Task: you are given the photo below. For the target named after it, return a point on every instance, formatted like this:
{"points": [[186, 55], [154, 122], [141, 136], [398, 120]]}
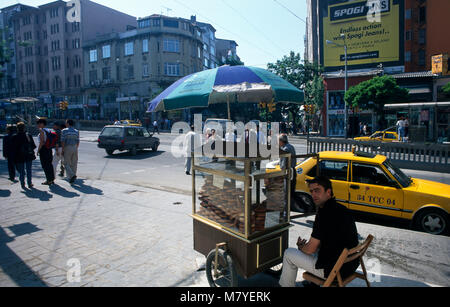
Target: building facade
{"points": [[8, 84], [50, 62], [401, 43], [124, 71], [226, 49]]}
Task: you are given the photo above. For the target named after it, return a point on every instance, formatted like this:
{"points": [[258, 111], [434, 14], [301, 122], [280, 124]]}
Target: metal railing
{"points": [[428, 157]]}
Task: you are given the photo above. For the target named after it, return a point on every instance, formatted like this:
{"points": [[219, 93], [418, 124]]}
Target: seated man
{"points": [[334, 229]]}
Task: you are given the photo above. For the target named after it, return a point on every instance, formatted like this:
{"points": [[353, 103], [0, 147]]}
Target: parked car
{"points": [[372, 184], [123, 138], [388, 135]]}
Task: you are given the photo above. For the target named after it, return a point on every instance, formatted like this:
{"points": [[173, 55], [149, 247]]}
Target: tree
{"points": [[374, 94], [446, 89], [5, 53], [305, 76]]}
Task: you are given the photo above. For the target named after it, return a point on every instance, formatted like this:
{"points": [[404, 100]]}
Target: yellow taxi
{"points": [[128, 122], [383, 136], [372, 184]]}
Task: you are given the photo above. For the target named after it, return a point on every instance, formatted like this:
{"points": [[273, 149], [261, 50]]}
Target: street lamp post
{"points": [[346, 80]]}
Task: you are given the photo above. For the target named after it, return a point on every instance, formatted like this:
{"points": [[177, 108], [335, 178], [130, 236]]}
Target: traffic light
{"points": [[262, 105], [272, 107], [63, 105], [306, 108], [312, 109]]}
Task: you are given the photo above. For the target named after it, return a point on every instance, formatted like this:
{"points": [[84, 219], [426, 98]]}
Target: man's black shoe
{"points": [[72, 180], [187, 173]]}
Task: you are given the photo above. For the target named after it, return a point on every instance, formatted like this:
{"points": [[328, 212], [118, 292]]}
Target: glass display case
{"points": [[240, 204], [239, 196]]}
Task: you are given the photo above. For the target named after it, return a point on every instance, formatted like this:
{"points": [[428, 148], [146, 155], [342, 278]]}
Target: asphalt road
{"points": [[161, 170]]}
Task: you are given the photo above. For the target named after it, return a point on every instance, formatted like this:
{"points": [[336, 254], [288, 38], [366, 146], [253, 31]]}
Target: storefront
{"points": [[334, 106]]}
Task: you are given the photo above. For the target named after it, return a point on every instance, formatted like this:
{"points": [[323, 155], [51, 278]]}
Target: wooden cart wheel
{"points": [[227, 276]]}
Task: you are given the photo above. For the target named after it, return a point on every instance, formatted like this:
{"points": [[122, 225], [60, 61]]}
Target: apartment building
{"points": [[123, 71], [50, 63], [8, 84]]}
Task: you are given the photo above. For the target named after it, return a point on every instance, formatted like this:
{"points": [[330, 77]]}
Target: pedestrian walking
{"points": [[70, 141], [46, 142], [401, 128], [23, 148], [8, 152], [155, 126], [58, 157]]}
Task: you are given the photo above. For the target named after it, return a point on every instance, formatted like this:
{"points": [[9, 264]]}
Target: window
{"points": [[156, 22], [408, 56], [106, 51], [144, 23], [130, 72], [171, 45], [145, 70], [171, 69], [129, 48], [199, 52], [106, 73], [53, 12], [422, 35], [92, 76], [422, 57], [408, 14], [93, 56], [422, 14], [408, 35], [389, 136], [170, 23], [76, 43], [334, 170], [370, 174], [145, 45]]}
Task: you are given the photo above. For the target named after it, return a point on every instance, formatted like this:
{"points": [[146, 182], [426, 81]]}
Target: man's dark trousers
{"points": [[11, 168], [46, 157]]}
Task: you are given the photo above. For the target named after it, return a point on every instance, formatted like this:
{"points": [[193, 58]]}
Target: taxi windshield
{"points": [[404, 180]]}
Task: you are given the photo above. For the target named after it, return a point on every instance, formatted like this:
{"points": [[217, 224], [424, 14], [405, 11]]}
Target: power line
{"points": [[256, 28], [285, 7], [225, 29]]}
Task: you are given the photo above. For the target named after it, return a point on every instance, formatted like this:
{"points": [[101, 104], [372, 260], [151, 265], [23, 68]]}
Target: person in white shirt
{"points": [[401, 128]]}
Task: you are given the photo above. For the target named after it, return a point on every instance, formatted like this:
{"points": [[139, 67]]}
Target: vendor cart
{"points": [[241, 216]]}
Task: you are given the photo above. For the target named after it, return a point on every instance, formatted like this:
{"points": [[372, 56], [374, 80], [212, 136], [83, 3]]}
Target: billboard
{"points": [[372, 30]]}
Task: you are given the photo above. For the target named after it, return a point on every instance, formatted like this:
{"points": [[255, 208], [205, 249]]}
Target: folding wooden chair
{"points": [[346, 256]]}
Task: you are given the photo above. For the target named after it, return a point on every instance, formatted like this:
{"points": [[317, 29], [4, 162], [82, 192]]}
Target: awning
{"points": [[21, 100], [416, 105]]}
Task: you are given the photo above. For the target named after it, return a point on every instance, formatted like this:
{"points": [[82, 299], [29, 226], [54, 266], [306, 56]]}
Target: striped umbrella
{"points": [[226, 84]]}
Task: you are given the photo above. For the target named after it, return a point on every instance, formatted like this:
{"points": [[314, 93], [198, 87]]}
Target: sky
{"points": [[265, 30]]}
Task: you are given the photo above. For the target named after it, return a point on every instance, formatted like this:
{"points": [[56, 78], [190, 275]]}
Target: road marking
{"points": [[139, 171]]}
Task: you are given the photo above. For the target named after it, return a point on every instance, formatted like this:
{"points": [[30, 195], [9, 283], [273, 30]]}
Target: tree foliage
{"points": [[305, 76], [375, 93], [446, 89]]}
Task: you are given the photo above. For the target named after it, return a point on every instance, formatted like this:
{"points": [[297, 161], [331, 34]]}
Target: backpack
{"points": [[52, 139]]}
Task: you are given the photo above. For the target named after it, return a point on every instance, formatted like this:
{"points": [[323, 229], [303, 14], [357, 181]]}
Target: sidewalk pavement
{"points": [[123, 235]]}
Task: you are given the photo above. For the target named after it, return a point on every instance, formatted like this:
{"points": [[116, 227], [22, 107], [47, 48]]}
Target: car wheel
{"points": [[133, 151], [155, 148], [109, 152], [432, 221], [302, 203]]}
